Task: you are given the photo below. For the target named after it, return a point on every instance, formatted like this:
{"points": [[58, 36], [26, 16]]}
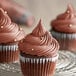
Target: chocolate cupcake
{"points": [[10, 35], [64, 29], [38, 53]]}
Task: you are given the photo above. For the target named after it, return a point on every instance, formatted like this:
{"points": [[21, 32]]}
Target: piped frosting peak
{"points": [[39, 30], [9, 31], [63, 21], [70, 9], [40, 43]]}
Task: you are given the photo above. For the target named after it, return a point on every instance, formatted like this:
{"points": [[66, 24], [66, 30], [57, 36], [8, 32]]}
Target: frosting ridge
{"points": [[39, 43], [9, 31], [65, 22]]}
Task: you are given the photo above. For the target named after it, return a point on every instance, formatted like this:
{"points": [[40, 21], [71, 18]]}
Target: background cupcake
{"points": [[38, 53], [10, 34], [64, 29]]}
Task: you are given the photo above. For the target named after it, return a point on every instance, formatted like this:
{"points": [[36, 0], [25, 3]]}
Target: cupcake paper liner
{"points": [[23, 59], [66, 41], [9, 53], [63, 35], [38, 66]]}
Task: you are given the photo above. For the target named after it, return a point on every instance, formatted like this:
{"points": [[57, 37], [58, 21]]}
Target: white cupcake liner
{"points": [[8, 47], [59, 35], [38, 60], [38, 66], [9, 53], [66, 41]]}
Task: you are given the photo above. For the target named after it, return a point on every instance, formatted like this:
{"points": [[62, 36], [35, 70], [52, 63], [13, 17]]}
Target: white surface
{"points": [[66, 66]]}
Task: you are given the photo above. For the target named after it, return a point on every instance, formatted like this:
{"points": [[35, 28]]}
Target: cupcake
{"points": [[38, 53], [64, 29], [10, 35]]}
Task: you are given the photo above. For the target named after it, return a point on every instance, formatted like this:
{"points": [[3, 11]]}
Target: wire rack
{"points": [[66, 66]]}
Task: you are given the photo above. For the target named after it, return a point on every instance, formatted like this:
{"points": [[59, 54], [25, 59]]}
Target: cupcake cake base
{"points": [[66, 41], [9, 53], [33, 66]]}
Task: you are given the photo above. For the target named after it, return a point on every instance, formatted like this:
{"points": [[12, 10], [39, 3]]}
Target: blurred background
{"points": [[45, 9]]}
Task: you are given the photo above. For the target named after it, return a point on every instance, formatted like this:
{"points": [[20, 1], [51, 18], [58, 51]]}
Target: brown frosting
{"points": [[9, 31], [65, 22], [39, 43]]}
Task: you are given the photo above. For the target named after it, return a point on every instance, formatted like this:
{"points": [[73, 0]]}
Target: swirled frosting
{"points": [[39, 43], [65, 22], [9, 31]]}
